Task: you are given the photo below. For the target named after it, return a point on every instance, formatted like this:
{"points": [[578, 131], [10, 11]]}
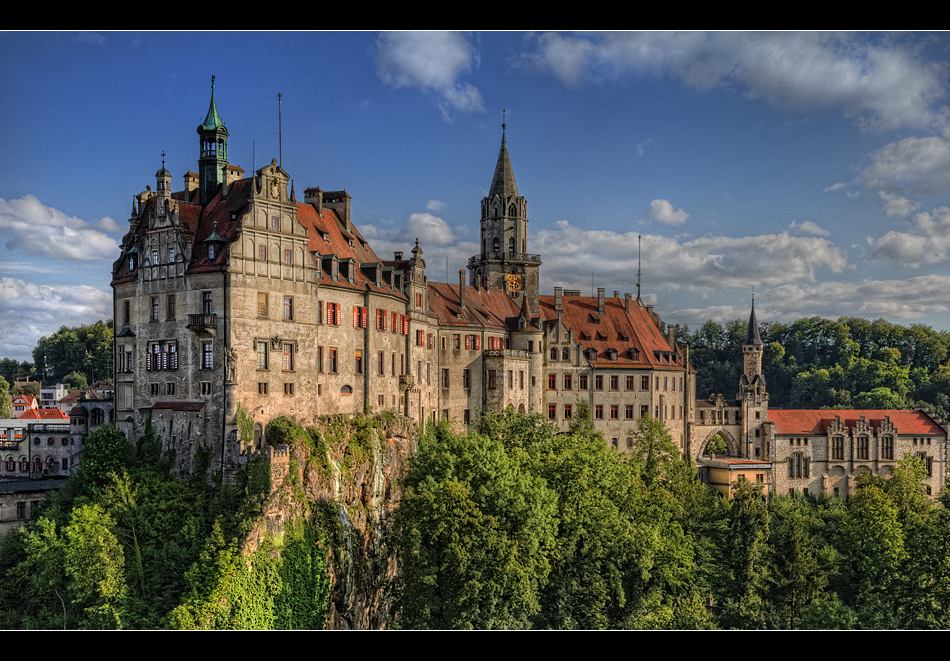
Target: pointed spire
{"points": [[503, 183], [213, 119], [752, 334]]}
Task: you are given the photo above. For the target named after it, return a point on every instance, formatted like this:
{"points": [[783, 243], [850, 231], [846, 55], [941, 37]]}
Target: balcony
{"points": [[201, 322], [514, 257], [505, 353]]}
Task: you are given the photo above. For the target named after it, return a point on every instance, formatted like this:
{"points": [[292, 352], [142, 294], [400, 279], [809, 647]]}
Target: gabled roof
{"points": [[607, 331], [43, 414], [485, 308], [817, 421]]}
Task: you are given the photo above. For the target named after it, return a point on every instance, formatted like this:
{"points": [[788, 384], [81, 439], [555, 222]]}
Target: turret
{"points": [[213, 159]]}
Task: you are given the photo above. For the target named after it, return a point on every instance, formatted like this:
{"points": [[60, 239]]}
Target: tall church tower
{"points": [[504, 262], [213, 161], [752, 380]]}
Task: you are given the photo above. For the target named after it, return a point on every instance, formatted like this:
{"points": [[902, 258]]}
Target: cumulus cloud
{"points": [[931, 244], [435, 205], [893, 299], [916, 165], [808, 227], [29, 311], [31, 228], [432, 61], [664, 212], [897, 206], [877, 82], [704, 264], [833, 187]]}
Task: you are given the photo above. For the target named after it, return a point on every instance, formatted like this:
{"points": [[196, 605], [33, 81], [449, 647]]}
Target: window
{"points": [[568, 411], [445, 377], [262, 252], [599, 412], [358, 362], [582, 382], [644, 411], [207, 355], [334, 314], [567, 382], [552, 411], [261, 387], [153, 390], [511, 379], [210, 251], [628, 412], [552, 381], [553, 353], [862, 447], [289, 389], [288, 358], [456, 341], [288, 260], [126, 311], [466, 379], [154, 257], [154, 315], [262, 304], [380, 319], [381, 364], [288, 308], [887, 447], [170, 307], [275, 223], [615, 382], [262, 354], [565, 354], [644, 383], [799, 466], [205, 387], [331, 360], [319, 359], [207, 305], [614, 412], [467, 416], [629, 385], [837, 448], [171, 255], [598, 382], [491, 379]]}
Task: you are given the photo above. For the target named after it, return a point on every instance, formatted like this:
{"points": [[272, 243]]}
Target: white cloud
{"points": [[435, 205], [808, 227], [897, 206], [833, 187], [432, 61], [29, 311], [930, 246], [642, 146], [707, 264], [893, 299], [31, 228], [918, 165], [877, 82], [664, 212]]}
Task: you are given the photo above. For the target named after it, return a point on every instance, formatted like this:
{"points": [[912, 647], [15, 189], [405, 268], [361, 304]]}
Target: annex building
{"points": [[232, 295]]}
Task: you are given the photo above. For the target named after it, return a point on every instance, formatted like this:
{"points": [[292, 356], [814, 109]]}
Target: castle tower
{"points": [[752, 380], [213, 159], [504, 262]]}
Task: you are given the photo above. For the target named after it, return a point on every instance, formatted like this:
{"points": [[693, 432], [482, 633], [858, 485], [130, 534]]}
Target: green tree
{"points": [[6, 400]]}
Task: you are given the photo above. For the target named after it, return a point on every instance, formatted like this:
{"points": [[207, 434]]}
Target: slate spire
{"points": [[503, 183]]}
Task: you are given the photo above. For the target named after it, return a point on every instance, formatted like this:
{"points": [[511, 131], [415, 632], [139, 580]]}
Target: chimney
{"points": [[671, 336], [616, 294], [600, 300], [462, 289], [626, 302], [557, 300], [397, 255], [224, 180]]}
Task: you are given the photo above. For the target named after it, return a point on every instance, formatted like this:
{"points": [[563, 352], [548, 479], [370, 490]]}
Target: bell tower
{"points": [[504, 262], [213, 159]]}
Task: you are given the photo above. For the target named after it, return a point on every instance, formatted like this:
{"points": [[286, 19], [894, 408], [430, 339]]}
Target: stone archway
{"points": [[732, 445]]}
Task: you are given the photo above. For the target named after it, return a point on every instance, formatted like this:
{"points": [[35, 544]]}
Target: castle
{"points": [[231, 295]]}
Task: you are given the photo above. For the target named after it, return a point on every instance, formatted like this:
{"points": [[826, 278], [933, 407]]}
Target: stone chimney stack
{"points": [[616, 294], [671, 336], [462, 289], [557, 300], [626, 302], [600, 300]]}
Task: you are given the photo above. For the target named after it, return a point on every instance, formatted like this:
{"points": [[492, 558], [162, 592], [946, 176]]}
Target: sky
{"points": [[811, 168]]}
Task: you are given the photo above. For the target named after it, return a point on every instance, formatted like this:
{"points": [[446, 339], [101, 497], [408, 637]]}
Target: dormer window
{"points": [[210, 251]]}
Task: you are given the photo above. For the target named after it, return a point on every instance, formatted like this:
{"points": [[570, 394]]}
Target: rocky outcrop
{"points": [[347, 481]]}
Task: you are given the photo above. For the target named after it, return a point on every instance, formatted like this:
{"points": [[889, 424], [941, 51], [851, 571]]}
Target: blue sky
{"points": [[814, 167]]}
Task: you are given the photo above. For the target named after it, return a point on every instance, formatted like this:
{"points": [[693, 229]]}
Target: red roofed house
{"points": [[232, 293], [809, 452]]}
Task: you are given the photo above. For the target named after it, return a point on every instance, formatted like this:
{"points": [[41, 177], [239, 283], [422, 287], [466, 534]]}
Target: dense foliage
{"points": [[817, 363], [124, 545], [519, 526], [82, 351]]}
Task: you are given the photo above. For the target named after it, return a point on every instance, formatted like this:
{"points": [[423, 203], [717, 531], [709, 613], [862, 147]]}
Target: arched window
{"points": [[49, 442], [346, 390], [512, 210], [98, 417], [37, 464], [553, 353], [566, 354], [496, 245], [511, 246]]}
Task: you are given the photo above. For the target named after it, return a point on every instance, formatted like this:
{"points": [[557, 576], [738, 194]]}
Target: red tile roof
{"points": [[43, 414], [618, 328], [798, 421], [485, 308]]}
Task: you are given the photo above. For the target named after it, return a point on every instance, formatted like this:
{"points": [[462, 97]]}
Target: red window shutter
{"points": [[468, 341], [364, 318], [356, 316], [395, 321]]}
